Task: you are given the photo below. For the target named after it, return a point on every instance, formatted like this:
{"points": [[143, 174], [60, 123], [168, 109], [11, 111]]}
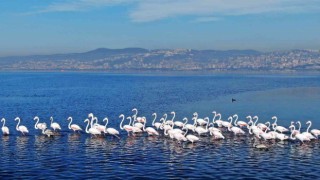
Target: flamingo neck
{"points": [[299, 126], [292, 131], [214, 116], [174, 115], [309, 126], [105, 126], [130, 121], [69, 125], [121, 127], [87, 131], [235, 121], [4, 122], [256, 121], [18, 124], [35, 126], [230, 123], [155, 117]]}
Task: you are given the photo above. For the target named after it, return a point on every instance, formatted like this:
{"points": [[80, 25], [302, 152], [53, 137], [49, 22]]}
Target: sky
{"points": [[63, 26]]}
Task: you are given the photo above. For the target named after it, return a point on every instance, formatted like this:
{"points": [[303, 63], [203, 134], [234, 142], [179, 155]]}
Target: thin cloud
{"points": [[207, 19], [152, 10]]}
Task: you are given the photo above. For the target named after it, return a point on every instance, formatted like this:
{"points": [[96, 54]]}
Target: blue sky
{"points": [[61, 26]]}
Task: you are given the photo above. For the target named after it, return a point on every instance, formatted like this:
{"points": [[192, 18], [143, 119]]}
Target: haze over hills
{"points": [[166, 59]]}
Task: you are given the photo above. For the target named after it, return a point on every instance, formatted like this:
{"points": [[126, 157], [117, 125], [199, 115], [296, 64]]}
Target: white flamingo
{"points": [[39, 125], [92, 130], [156, 124], [127, 127], [275, 126], [149, 130], [200, 130], [134, 129], [201, 122], [47, 132], [171, 122], [219, 121], [5, 129], [306, 133], [191, 138], [299, 136], [135, 116], [54, 125], [98, 126], [181, 124], [239, 123], [111, 131], [22, 129], [191, 127], [234, 129], [74, 127]]}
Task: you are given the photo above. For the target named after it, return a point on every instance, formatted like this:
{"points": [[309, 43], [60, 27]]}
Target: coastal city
{"points": [[170, 59]]}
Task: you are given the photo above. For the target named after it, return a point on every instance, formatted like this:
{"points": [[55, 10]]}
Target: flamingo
{"points": [[111, 131], [201, 122], [92, 131], [299, 136], [200, 130], [235, 130], [295, 131], [191, 138], [74, 127], [275, 126], [134, 129], [216, 134], [98, 126], [253, 129], [39, 125], [315, 132], [265, 135], [22, 129], [181, 124], [5, 129], [239, 123], [54, 125], [149, 130], [127, 127], [211, 129], [156, 124], [135, 117], [219, 121], [191, 127], [171, 122], [47, 132], [309, 135]]}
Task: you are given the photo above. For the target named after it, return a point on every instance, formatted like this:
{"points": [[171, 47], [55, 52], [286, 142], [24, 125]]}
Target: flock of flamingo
{"points": [[181, 130]]}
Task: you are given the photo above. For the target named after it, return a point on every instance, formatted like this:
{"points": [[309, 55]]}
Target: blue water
{"points": [[291, 97]]}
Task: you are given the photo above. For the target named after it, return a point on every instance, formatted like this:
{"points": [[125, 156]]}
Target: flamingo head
{"points": [[121, 116], [17, 118], [235, 115], [274, 117], [69, 118], [154, 114], [90, 115], [35, 118], [86, 120], [105, 119], [249, 117], [3, 119], [214, 112], [173, 112], [195, 114], [308, 122]]}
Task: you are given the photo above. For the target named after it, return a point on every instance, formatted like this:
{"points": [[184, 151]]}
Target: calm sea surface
{"points": [[67, 155]]}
